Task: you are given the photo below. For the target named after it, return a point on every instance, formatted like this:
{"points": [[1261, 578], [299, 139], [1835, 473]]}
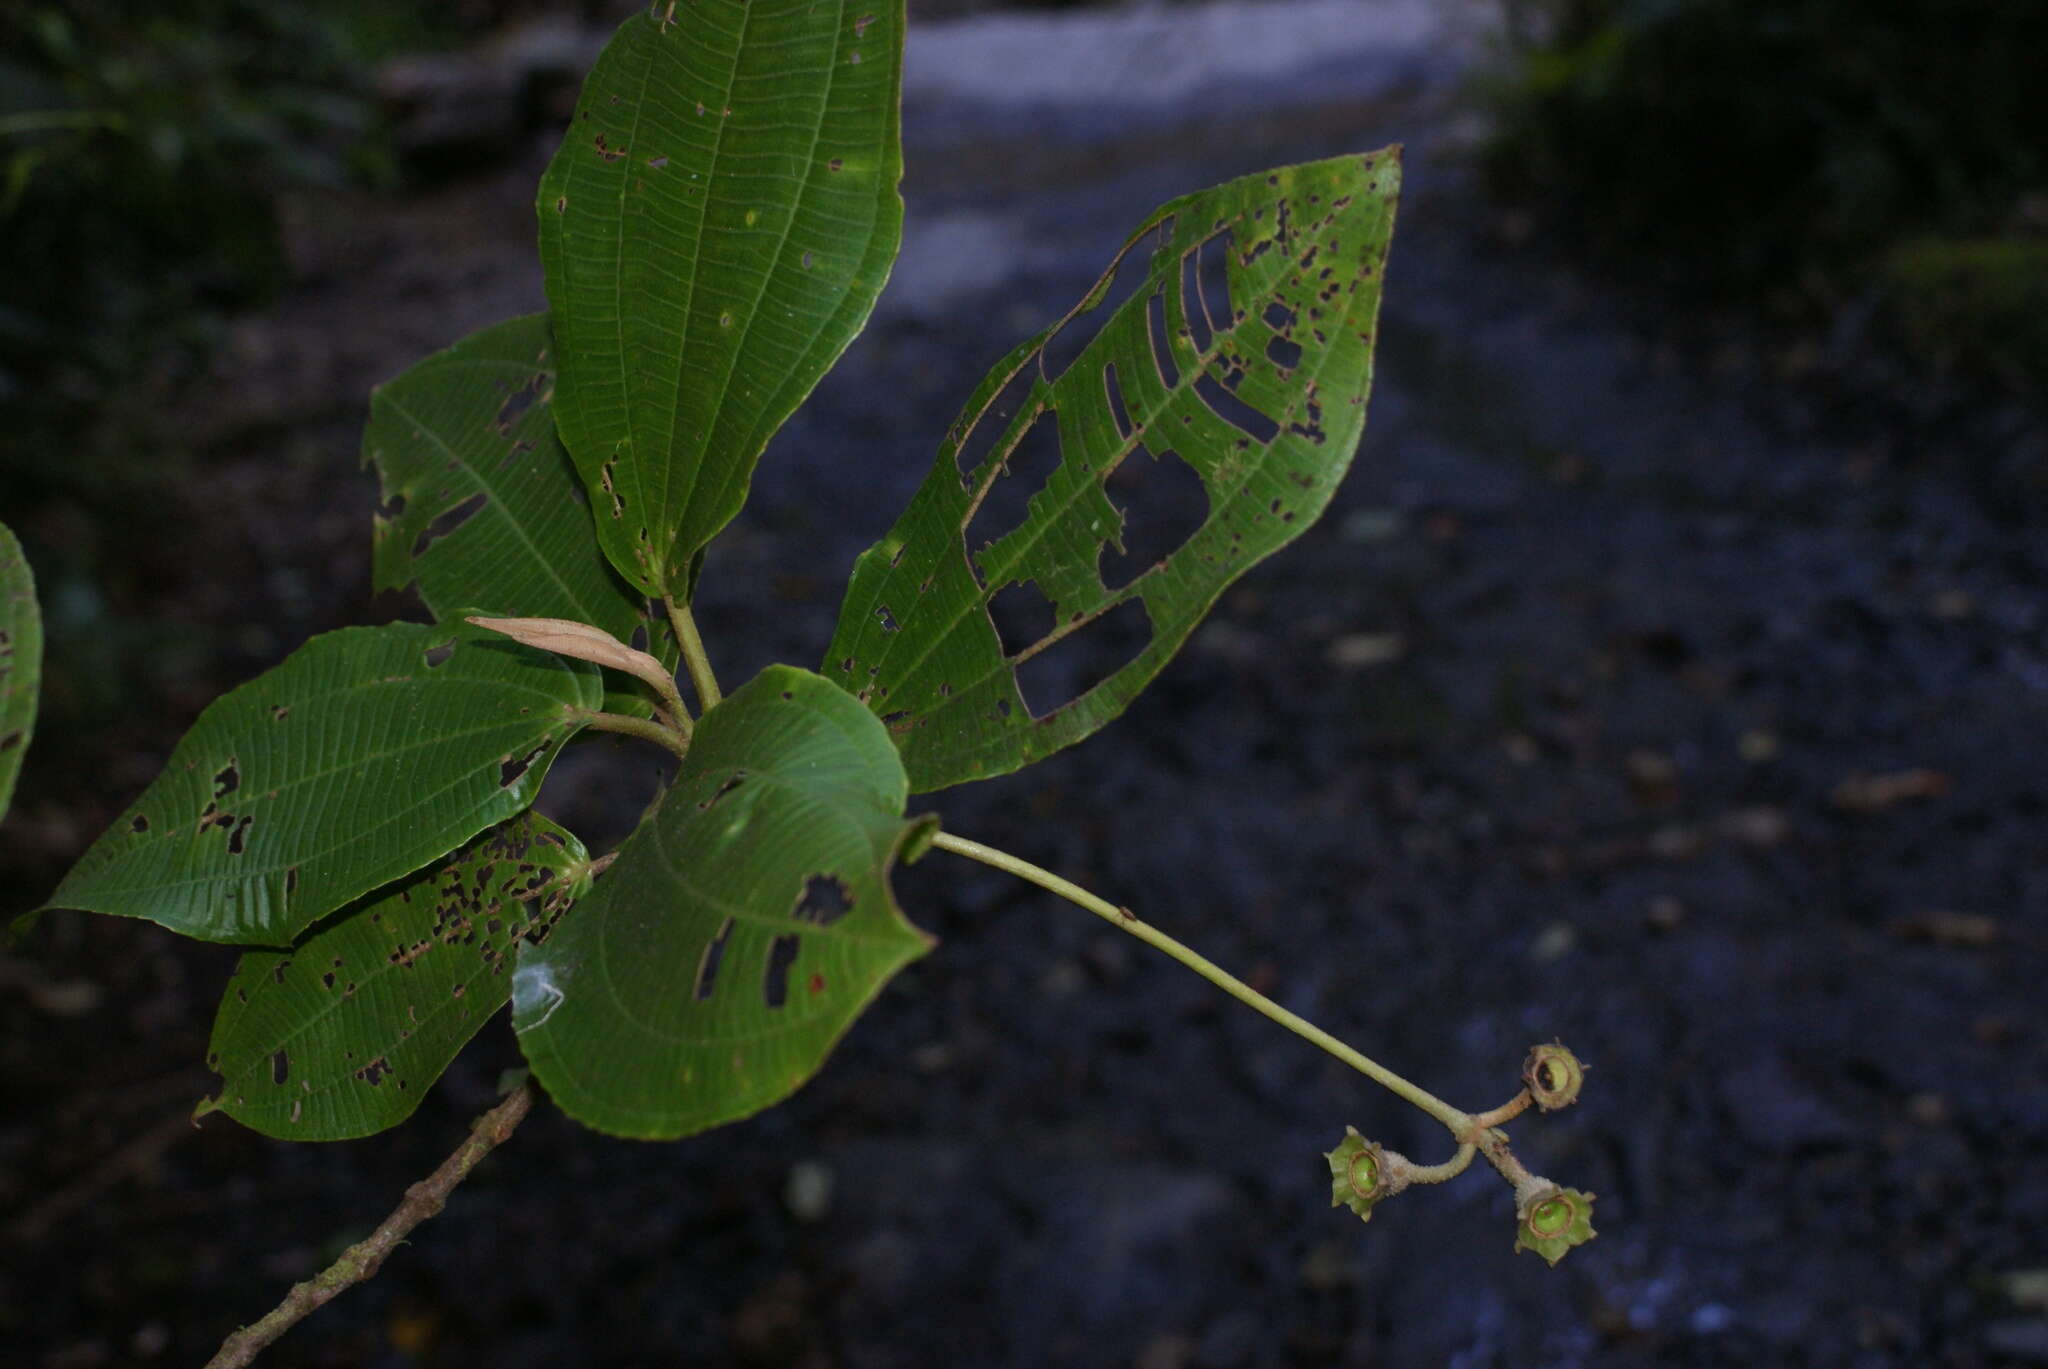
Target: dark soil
{"points": [[1543, 732]]}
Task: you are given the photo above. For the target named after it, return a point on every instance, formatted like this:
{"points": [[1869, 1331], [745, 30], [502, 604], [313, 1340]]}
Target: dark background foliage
{"points": [[1809, 153], [1563, 722]]}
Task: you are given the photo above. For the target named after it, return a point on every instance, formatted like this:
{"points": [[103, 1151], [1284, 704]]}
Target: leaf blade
{"points": [[277, 807], [1263, 397], [714, 229], [483, 508], [741, 929], [342, 1034], [21, 661]]}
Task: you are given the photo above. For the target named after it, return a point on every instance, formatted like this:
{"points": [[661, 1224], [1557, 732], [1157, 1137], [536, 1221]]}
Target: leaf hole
{"points": [[824, 900], [512, 768], [707, 966], [1164, 504], [138, 823], [238, 839], [1005, 501], [516, 404], [1235, 411], [227, 781], [1212, 283], [1162, 351], [1118, 413], [886, 618], [1284, 352], [1022, 616], [1205, 290], [782, 954], [1124, 278], [732, 782], [979, 435], [1070, 667], [280, 1066], [445, 524]]}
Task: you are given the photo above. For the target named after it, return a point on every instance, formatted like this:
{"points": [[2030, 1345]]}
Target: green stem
{"points": [[1449, 1169], [1456, 1121], [1506, 1112], [677, 741], [693, 656]]}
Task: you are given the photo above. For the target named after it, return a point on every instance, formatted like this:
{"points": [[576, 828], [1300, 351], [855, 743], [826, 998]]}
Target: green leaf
{"points": [[1260, 396], [367, 753], [21, 661], [714, 230], [483, 509], [342, 1034], [744, 926]]}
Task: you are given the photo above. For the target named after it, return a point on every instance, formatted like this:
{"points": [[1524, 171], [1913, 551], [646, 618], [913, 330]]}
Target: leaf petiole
{"points": [[1460, 1124], [673, 739], [693, 655]]}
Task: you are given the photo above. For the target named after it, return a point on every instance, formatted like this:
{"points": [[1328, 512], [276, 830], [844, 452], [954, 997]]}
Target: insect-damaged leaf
{"points": [[1242, 357], [714, 230], [743, 927], [342, 1034], [21, 661], [482, 506], [367, 753]]}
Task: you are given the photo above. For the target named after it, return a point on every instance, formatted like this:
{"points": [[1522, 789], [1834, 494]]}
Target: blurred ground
{"points": [[1629, 695]]}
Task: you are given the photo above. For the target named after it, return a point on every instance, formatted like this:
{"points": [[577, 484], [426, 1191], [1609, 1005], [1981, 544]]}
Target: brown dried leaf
{"points": [[566, 637]]}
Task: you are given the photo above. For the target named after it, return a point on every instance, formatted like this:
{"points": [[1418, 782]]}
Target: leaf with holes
{"points": [[1234, 375], [714, 230], [743, 927], [364, 755], [483, 510], [342, 1034], [21, 661]]}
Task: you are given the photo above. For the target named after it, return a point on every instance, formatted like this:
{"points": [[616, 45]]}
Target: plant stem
{"points": [[693, 655], [677, 741], [1456, 1121], [1449, 1169], [1506, 1112], [360, 1261]]}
